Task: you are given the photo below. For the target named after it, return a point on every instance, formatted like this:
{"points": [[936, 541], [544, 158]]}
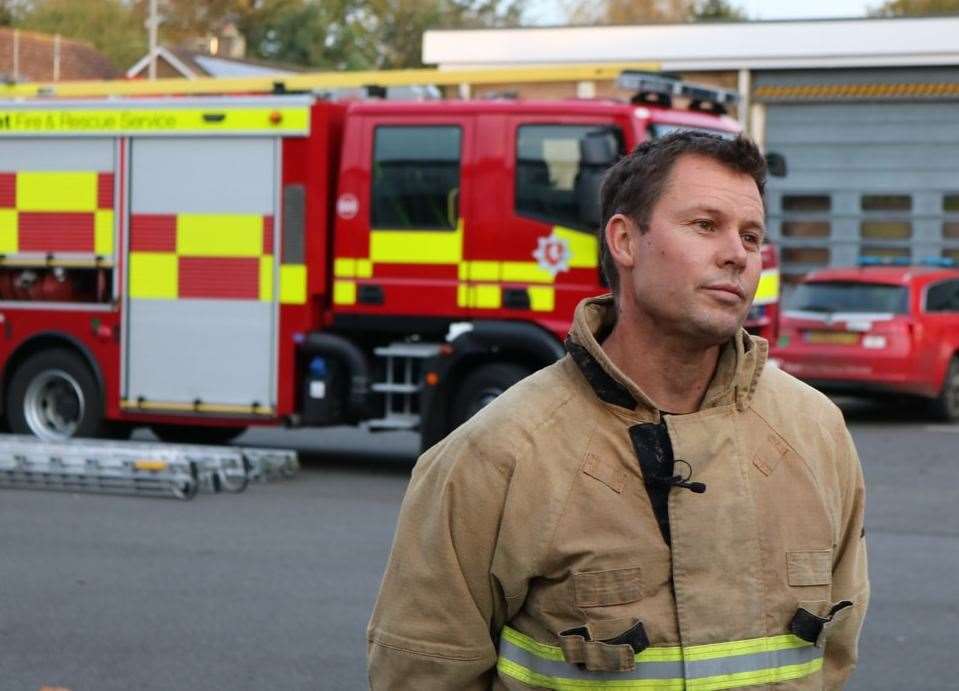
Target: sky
{"points": [[547, 12]]}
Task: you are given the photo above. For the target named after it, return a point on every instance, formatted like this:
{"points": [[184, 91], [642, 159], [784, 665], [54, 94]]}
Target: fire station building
{"points": [[864, 110]]}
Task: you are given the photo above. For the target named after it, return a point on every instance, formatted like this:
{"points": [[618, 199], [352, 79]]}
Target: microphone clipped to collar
{"points": [[679, 480]]}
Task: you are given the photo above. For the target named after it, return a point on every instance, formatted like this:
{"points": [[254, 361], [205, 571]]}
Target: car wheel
{"points": [[481, 387], [946, 405], [54, 395]]}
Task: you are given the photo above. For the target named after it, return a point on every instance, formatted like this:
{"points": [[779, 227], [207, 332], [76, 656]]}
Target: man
{"points": [[659, 509]]}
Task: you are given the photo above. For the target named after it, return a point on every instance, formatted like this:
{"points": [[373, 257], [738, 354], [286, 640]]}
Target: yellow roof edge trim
{"points": [[309, 81]]}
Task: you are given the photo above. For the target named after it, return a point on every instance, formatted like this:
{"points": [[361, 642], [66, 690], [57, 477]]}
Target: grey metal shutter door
{"points": [[866, 158]]}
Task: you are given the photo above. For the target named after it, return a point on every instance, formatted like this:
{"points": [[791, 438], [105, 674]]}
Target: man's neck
{"points": [[673, 373]]}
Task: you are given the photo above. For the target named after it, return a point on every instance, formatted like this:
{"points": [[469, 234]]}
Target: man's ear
{"points": [[620, 240]]}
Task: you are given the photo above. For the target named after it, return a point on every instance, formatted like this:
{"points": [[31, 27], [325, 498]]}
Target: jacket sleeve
{"points": [[438, 606], [850, 577]]}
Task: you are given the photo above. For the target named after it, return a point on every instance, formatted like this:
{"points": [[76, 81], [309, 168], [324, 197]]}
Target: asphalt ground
{"points": [[272, 589]]}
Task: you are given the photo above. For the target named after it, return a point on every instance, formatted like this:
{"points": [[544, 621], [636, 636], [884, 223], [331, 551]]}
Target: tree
{"points": [[915, 8], [650, 11], [109, 25], [718, 10]]}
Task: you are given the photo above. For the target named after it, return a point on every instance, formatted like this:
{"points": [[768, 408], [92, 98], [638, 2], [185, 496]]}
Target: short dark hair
{"points": [[636, 182]]}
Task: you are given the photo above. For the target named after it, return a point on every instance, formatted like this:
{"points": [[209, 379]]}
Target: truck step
{"points": [[394, 387], [392, 423], [409, 350]]}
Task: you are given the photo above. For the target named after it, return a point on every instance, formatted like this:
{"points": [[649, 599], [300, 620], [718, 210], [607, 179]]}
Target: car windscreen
{"points": [[837, 296]]}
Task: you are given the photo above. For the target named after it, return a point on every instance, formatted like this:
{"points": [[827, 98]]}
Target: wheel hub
{"points": [[54, 405]]}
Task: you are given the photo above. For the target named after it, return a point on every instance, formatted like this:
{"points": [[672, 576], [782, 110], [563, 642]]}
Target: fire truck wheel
{"points": [[480, 388], [54, 395], [946, 406], [195, 434]]}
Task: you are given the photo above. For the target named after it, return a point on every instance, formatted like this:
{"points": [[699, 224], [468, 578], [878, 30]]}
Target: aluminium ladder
{"points": [[138, 468]]}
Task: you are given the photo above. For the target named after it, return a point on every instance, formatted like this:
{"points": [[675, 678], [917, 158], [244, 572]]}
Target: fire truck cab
{"points": [[200, 265]]}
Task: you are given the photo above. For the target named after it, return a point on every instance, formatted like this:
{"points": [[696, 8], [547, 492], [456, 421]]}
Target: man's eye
{"points": [[752, 239], [704, 224]]}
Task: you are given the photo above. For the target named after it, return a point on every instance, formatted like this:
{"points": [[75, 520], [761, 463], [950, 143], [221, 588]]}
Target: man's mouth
{"points": [[726, 290]]}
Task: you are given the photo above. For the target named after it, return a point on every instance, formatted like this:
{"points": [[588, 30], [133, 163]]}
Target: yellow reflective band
{"points": [[583, 247], [462, 295], [293, 284], [153, 275], [219, 235], [56, 191], [344, 268], [215, 118], [417, 246], [344, 293], [531, 678], [364, 268], [708, 667], [486, 297], [266, 278], [541, 298], [480, 271], [773, 675], [525, 272], [103, 232], [9, 236], [768, 289]]}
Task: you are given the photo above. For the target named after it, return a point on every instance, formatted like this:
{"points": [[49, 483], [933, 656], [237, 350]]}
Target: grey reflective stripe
{"points": [[751, 663], [564, 670]]}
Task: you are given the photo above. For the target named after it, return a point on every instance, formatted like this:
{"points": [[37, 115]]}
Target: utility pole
{"points": [[153, 24]]}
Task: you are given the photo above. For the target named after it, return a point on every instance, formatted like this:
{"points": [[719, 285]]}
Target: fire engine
{"points": [[201, 264]]}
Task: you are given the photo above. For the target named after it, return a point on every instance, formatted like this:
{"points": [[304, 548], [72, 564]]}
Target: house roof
{"points": [[191, 64], [78, 59]]}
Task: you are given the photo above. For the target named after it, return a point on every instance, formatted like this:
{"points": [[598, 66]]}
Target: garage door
{"points": [[865, 179]]}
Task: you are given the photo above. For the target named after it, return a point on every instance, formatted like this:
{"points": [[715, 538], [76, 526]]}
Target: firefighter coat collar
{"points": [[740, 366]]}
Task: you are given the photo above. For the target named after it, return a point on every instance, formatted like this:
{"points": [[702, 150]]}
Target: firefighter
{"points": [[660, 509]]}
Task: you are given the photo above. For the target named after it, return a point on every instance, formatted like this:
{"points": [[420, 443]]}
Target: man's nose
{"points": [[732, 251]]}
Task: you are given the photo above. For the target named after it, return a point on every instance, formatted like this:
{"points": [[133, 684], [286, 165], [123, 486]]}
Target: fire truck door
{"points": [[200, 284]]}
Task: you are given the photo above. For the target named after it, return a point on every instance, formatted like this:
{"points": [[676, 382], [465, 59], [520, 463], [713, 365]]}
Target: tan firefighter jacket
{"points": [[527, 554]]}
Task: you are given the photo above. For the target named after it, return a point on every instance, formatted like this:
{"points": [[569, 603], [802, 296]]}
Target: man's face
{"points": [[694, 272]]}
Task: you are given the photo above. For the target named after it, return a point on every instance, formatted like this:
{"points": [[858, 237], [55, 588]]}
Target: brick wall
{"points": [[78, 60]]}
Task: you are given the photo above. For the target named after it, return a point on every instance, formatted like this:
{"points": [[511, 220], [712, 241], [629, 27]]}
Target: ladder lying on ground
{"points": [[139, 468]]}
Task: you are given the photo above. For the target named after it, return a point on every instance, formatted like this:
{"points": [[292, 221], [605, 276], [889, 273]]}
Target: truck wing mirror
{"points": [[776, 165]]}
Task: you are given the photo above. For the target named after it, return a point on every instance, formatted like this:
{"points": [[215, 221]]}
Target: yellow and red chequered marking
{"points": [[208, 256], [56, 211]]}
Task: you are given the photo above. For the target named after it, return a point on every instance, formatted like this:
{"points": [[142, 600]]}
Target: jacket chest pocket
{"points": [[607, 588]]}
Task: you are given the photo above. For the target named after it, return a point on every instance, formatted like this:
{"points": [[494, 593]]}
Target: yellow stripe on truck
{"points": [[9, 233], [417, 246], [103, 232], [219, 235], [583, 247], [153, 275], [213, 119], [56, 191], [767, 291], [293, 284]]}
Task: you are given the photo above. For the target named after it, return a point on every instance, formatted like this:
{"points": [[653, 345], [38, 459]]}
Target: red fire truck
{"points": [[203, 264]]}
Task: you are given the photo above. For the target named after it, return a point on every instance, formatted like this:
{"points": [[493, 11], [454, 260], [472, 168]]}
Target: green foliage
{"points": [[109, 25], [915, 8], [717, 10]]}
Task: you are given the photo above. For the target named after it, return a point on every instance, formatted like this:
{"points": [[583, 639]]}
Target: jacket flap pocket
{"points": [[606, 472], [812, 567], [615, 587]]}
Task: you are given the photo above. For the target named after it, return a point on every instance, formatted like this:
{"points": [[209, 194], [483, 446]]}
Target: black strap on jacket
{"points": [[809, 626], [655, 453]]}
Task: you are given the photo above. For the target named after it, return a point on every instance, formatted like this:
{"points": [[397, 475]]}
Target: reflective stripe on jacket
{"points": [[527, 554]]}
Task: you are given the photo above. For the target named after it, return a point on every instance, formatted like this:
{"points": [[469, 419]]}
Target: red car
{"points": [[876, 329]]}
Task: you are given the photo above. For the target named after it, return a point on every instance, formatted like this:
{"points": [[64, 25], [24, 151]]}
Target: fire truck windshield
{"points": [[661, 129]]}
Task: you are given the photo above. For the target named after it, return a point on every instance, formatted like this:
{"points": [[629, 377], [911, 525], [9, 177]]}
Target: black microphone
{"points": [[680, 481]]}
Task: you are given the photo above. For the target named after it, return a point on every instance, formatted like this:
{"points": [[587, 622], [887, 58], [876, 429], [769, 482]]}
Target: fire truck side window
{"points": [[559, 170], [416, 177]]}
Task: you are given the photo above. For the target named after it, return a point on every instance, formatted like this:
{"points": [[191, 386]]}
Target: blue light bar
{"points": [[884, 261]]}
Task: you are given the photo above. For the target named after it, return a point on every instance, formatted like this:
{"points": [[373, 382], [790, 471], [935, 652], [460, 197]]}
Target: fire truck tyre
{"points": [[946, 406], [195, 434], [481, 387], [54, 395]]}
